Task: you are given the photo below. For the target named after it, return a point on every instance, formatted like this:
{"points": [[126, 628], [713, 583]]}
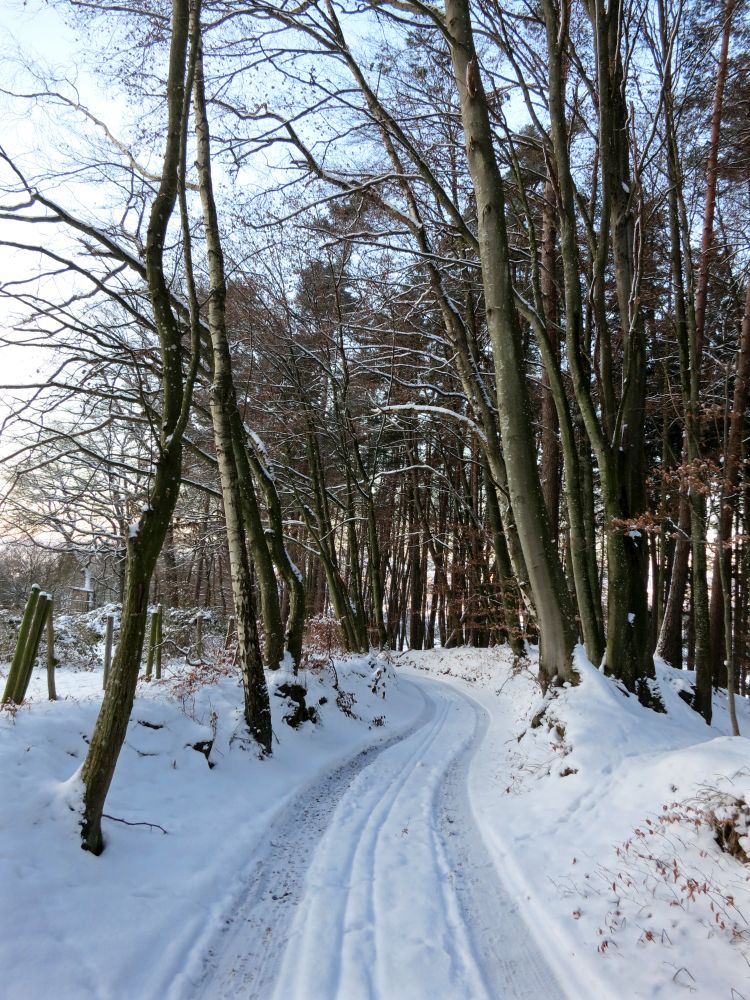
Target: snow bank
{"points": [[603, 815], [124, 925]]}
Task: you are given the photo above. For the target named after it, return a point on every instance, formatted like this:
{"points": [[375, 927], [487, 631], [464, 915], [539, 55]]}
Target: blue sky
{"points": [[31, 33]]}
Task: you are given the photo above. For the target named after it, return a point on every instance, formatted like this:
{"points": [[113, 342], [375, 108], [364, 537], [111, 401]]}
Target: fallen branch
{"points": [[127, 822]]}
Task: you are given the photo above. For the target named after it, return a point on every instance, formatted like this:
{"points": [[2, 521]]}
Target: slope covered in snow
{"points": [[604, 815], [133, 922], [443, 831]]}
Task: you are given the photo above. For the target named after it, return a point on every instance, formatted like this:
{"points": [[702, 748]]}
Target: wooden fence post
{"points": [[108, 648], [152, 644], [199, 636], [230, 630], [23, 635], [159, 634], [51, 689], [23, 660]]}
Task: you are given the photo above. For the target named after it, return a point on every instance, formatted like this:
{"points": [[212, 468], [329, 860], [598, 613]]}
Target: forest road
{"points": [[375, 884]]}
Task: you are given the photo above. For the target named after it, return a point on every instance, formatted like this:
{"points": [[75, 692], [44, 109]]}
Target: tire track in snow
{"points": [[243, 958], [505, 950], [376, 884], [343, 880]]}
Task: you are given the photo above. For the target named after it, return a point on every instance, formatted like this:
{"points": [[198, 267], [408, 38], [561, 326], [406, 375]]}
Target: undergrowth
{"points": [[680, 863], [183, 687]]}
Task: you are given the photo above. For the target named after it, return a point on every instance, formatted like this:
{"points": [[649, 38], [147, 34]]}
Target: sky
{"points": [[36, 32], [31, 33]]}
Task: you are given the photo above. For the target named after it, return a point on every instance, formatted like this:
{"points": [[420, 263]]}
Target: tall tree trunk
{"points": [[147, 536], [321, 527], [416, 625], [290, 574], [628, 633], [730, 482], [709, 209], [223, 405], [555, 614], [689, 349], [550, 423], [273, 629]]}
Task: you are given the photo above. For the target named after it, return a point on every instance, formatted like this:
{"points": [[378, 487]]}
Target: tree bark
{"points": [[146, 537], [223, 405], [290, 574], [555, 615], [730, 482]]}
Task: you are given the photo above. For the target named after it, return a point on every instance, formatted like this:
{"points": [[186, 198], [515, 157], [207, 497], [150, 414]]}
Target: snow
{"points": [[128, 923], [261, 452], [444, 831], [283, 675], [586, 814], [435, 411], [381, 887], [294, 568]]}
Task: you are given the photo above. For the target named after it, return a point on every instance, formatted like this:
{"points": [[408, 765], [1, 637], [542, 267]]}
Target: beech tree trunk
{"points": [[729, 499], [290, 574], [223, 406], [146, 537], [554, 611]]}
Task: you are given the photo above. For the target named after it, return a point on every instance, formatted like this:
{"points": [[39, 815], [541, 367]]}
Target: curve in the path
{"points": [[243, 960], [511, 963], [376, 884]]}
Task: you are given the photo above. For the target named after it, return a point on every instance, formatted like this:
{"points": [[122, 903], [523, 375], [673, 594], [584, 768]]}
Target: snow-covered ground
{"points": [[447, 835], [601, 815]]}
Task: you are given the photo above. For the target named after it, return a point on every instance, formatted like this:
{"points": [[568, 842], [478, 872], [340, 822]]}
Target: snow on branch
{"points": [[436, 410]]}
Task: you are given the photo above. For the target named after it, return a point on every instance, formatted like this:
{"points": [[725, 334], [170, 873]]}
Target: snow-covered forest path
{"points": [[374, 883]]}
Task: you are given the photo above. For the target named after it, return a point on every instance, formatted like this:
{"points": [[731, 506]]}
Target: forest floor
{"points": [[443, 832]]}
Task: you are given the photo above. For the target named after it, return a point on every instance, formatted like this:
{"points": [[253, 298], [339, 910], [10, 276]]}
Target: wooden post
{"points": [[108, 648], [230, 630], [51, 690], [199, 636], [23, 634], [159, 632], [152, 644], [30, 649]]}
